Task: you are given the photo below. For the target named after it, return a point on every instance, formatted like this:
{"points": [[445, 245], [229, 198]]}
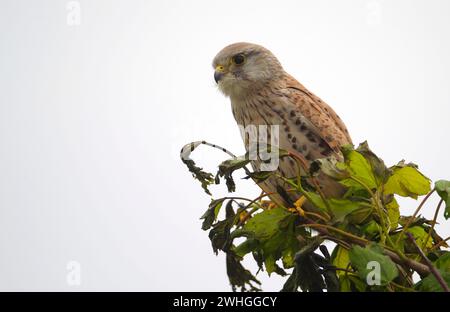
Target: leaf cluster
{"points": [[371, 252]]}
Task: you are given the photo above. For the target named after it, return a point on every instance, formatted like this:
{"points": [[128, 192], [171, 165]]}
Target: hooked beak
{"points": [[218, 76], [219, 73]]}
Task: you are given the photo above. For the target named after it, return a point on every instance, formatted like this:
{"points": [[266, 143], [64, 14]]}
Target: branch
{"points": [[416, 266], [430, 265]]}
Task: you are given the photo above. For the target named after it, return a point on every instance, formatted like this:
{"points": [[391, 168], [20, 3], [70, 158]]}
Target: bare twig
{"points": [[408, 223], [433, 224], [430, 265], [414, 265], [441, 243]]}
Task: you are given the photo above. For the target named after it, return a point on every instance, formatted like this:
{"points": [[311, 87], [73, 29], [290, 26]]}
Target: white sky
{"points": [[92, 118]]}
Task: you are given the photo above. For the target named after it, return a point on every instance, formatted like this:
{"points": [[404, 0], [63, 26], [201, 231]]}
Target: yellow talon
{"points": [[298, 205]]}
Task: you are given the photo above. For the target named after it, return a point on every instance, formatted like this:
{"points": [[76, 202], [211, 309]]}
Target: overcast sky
{"points": [[93, 113]]}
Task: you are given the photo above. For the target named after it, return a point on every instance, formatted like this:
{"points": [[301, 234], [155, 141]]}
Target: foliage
{"points": [[365, 226]]}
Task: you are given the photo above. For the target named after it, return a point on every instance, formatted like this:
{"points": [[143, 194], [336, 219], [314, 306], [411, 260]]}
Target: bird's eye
{"points": [[238, 59]]}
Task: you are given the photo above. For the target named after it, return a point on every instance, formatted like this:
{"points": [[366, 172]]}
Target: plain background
{"points": [[92, 117]]}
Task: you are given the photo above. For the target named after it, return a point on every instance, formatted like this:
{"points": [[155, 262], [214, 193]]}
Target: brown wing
{"points": [[324, 120]]}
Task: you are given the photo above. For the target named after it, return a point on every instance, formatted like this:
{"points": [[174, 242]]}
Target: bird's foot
{"points": [[298, 206]]}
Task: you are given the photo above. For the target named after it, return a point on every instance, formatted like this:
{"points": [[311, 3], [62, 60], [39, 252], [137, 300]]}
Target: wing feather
{"points": [[324, 120]]}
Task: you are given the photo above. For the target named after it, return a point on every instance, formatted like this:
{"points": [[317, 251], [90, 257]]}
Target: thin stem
{"points": [[430, 265], [317, 216], [257, 198], [300, 189], [402, 287], [405, 275], [397, 250], [412, 264], [313, 180], [383, 231], [251, 201], [338, 241], [246, 217], [341, 269], [440, 243], [328, 227], [433, 224], [413, 217]]}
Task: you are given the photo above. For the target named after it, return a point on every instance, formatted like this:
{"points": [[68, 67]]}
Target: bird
{"points": [[262, 93]]}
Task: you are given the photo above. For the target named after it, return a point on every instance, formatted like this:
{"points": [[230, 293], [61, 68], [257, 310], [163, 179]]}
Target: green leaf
{"points": [[371, 229], [331, 167], [393, 210], [233, 164], [259, 176], [211, 214], [308, 277], [284, 245], [359, 168], [265, 224], [247, 246], [340, 207], [360, 215], [361, 257], [443, 262], [239, 276], [219, 235], [340, 259], [205, 178], [431, 284], [351, 283], [407, 181], [443, 189], [381, 172], [420, 235], [276, 238], [227, 168]]}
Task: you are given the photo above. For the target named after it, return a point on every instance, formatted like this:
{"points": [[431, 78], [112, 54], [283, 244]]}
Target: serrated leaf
{"points": [[227, 168], [211, 214], [308, 276], [204, 177], [407, 181], [220, 235], [274, 231], [443, 190], [360, 258], [239, 276]]}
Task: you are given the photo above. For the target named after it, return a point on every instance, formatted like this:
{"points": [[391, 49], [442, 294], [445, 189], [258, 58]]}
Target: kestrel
{"points": [[262, 93]]}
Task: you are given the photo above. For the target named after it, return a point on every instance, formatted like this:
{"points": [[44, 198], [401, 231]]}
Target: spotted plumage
{"points": [[262, 93]]}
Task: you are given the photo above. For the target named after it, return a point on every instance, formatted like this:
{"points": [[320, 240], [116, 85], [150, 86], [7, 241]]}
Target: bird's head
{"points": [[242, 68]]}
